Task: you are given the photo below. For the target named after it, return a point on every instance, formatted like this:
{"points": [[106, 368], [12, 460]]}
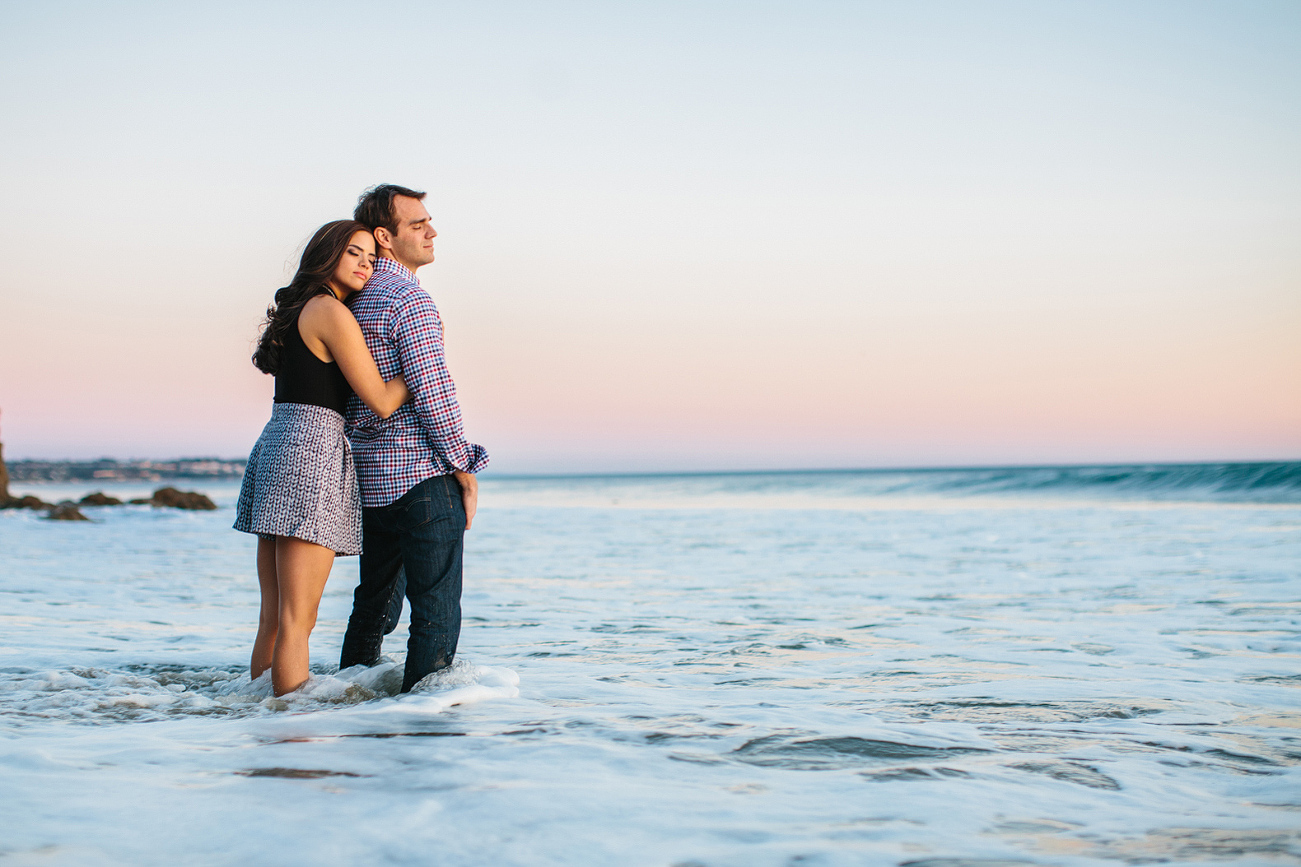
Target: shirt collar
{"points": [[393, 266]]}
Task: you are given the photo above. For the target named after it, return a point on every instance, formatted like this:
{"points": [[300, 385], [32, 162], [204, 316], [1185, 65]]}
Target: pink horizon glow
{"points": [[834, 235]]}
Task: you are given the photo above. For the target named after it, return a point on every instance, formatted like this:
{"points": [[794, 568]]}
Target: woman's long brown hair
{"points": [[320, 258]]}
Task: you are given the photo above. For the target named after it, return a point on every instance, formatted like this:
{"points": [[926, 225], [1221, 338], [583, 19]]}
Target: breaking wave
{"points": [[1272, 482]]}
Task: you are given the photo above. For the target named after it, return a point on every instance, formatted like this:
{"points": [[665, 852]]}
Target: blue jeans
{"points": [[417, 540]]}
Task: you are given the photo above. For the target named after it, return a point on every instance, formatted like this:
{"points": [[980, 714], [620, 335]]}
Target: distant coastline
{"points": [[110, 470]]}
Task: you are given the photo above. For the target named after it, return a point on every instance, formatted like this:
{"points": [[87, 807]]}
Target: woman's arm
{"points": [[326, 324]]}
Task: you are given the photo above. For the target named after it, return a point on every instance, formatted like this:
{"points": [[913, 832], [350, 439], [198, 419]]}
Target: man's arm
{"points": [[418, 338]]}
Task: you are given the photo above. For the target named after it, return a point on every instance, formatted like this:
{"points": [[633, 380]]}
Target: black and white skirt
{"points": [[300, 480]]}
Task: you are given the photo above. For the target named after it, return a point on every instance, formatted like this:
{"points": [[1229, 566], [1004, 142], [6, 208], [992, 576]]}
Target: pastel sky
{"points": [[676, 235]]}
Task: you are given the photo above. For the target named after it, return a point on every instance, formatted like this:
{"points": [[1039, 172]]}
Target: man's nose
{"points": [[430, 232]]}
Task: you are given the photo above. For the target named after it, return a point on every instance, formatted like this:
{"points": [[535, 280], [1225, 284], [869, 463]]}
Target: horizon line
{"points": [[898, 469], [754, 472]]}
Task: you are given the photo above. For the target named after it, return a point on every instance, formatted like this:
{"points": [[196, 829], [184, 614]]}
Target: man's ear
{"points": [[384, 238]]}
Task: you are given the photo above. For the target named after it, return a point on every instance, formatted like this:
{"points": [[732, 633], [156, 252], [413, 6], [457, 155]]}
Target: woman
{"points": [[300, 487]]}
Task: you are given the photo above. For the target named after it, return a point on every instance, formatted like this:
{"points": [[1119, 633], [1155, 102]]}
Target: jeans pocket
{"points": [[418, 511]]}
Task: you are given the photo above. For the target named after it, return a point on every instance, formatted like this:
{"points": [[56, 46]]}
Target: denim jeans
{"points": [[417, 540]]}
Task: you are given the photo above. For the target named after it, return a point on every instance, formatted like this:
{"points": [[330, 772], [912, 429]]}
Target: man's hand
{"points": [[469, 494]]}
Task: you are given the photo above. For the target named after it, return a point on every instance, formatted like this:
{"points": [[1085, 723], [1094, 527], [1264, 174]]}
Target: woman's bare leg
{"points": [[302, 568], [268, 619]]}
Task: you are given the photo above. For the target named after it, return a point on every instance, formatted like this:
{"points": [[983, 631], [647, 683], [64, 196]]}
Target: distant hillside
{"points": [[107, 469]]}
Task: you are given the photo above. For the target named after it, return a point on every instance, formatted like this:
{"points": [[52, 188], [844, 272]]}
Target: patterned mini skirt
{"points": [[300, 480]]}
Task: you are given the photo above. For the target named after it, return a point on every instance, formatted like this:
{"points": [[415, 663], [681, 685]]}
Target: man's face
{"points": [[413, 242]]}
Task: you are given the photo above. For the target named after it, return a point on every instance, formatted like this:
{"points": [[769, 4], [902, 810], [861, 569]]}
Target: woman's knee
{"points": [[291, 621]]}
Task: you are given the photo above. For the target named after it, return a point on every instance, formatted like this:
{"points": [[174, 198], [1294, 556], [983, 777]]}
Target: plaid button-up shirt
{"points": [[425, 437]]}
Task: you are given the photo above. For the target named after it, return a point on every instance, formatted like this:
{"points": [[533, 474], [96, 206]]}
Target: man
{"points": [[418, 489]]}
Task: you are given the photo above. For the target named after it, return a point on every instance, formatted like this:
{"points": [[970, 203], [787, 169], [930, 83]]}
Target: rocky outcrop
{"points": [[28, 502], [174, 499], [66, 511], [169, 498]]}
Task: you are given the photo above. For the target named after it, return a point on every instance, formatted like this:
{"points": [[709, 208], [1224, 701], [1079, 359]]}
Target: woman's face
{"points": [[356, 264]]}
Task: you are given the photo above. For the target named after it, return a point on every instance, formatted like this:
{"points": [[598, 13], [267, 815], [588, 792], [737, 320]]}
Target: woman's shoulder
{"points": [[323, 312], [325, 305]]}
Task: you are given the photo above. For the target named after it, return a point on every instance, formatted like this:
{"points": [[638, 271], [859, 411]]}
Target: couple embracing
{"points": [[365, 451]]}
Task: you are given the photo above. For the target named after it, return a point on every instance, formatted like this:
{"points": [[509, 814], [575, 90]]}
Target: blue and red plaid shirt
{"points": [[425, 437]]}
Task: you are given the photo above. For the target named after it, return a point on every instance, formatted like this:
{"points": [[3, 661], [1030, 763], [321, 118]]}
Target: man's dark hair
{"points": [[375, 207]]}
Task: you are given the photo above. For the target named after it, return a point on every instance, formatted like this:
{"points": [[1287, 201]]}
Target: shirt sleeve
{"points": [[417, 333]]}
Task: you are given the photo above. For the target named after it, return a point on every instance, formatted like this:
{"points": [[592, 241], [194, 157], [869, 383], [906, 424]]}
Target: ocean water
{"points": [[959, 668]]}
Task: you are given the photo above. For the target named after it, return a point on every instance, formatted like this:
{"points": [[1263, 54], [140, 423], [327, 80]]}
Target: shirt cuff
{"points": [[476, 458]]}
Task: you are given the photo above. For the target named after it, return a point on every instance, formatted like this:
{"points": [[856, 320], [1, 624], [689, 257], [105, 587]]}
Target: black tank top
{"points": [[304, 378]]}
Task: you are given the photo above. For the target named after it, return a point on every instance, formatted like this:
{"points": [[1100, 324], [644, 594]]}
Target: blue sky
{"points": [[678, 235]]}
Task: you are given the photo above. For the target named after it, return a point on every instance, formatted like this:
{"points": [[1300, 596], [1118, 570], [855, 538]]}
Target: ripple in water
{"points": [[820, 754]]}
